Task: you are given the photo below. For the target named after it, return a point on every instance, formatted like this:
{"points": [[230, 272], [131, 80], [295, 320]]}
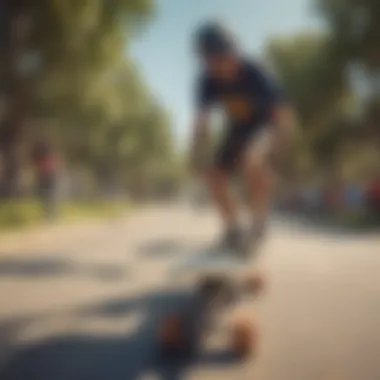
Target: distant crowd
{"points": [[338, 198]]}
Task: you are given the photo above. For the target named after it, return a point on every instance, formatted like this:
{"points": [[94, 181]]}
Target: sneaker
{"points": [[255, 236], [232, 239], [258, 231]]}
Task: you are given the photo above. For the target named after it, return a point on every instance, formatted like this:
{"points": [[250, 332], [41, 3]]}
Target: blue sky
{"points": [[163, 51]]}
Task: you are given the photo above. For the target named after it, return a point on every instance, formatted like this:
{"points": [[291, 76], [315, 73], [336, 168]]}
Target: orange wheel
{"points": [[171, 332], [244, 336]]}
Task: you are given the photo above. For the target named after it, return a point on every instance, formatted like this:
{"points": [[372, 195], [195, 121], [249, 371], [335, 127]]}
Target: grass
{"points": [[104, 209], [26, 213]]}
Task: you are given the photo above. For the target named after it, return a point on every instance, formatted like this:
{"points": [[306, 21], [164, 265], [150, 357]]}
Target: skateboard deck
{"points": [[219, 280], [210, 262]]}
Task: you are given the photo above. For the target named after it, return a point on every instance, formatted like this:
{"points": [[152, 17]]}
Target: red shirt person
{"points": [[373, 195], [46, 165]]}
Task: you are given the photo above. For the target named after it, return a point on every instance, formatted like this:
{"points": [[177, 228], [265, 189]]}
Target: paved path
{"points": [[81, 303]]}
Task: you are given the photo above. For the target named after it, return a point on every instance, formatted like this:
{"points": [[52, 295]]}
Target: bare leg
{"points": [[217, 182], [260, 180]]}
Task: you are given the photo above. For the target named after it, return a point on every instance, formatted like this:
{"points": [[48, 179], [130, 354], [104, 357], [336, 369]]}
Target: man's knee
{"points": [[258, 175], [253, 165], [256, 157]]}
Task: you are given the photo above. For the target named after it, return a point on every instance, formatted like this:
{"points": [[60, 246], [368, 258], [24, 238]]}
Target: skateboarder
{"points": [[259, 125]]}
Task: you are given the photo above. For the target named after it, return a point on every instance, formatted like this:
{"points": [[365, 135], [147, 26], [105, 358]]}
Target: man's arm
{"points": [[281, 112], [200, 128]]}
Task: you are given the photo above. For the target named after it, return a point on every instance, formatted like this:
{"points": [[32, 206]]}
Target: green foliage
{"points": [[27, 213], [85, 92], [19, 213], [315, 81], [355, 28], [313, 68], [305, 66]]}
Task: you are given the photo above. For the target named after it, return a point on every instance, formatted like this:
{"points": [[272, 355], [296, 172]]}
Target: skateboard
{"points": [[219, 282]]}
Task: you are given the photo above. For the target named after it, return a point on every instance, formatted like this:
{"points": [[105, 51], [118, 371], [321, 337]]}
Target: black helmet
{"points": [[213, 38]]}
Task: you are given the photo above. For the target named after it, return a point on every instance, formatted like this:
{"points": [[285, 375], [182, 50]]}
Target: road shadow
{"points": [[164, 247], [135, 355], [54, 266]]}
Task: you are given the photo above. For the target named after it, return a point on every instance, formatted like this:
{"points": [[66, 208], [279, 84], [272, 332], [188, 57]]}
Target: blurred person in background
{"points": [[46, 166], [354, 196], [373, 196], [259, 125]]}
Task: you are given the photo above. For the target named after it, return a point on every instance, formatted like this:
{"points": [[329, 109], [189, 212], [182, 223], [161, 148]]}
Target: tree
{"points": [[315, 68], [354, 27], [54, 52], [324, 100], [303, 65]]}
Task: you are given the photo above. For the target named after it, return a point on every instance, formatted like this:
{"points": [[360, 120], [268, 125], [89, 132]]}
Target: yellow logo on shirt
{"points": [[237, 107]]}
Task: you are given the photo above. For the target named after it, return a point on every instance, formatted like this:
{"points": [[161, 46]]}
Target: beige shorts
{"points": [[260, 148]]}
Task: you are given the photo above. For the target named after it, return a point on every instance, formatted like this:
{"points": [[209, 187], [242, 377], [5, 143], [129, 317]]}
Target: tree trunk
{"points": [[11, 123]]}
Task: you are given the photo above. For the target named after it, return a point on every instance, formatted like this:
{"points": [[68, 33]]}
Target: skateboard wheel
{"points": [[243, 336], [172, 332]]}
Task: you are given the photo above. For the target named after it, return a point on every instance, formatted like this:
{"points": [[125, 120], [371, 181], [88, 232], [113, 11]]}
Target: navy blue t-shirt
{"points": [[246, 100]]}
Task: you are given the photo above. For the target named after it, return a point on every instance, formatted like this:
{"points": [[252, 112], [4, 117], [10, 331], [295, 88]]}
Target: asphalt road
{"points": [[81, 303]]}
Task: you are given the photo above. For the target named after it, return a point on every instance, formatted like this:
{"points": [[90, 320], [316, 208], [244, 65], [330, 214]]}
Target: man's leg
{"points": [[260, 180], [261, 183], [217, 181], [218, 184]]}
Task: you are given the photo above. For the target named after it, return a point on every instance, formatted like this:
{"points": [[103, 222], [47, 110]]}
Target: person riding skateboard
{"points": [[259, 124]]}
